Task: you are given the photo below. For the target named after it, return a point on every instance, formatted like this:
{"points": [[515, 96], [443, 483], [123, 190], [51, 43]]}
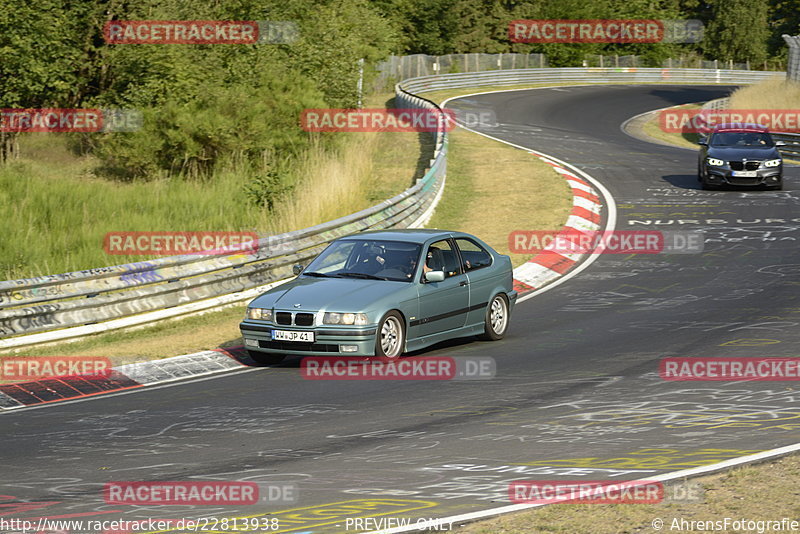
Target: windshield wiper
{"points": [[313, 273], [361, 275]]}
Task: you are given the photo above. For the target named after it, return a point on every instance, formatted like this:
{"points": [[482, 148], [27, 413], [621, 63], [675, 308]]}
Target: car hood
{"points": [[334, 294], [739, 153]]}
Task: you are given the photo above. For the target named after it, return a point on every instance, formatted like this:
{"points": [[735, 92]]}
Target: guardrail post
{"points": [[793, 62]]}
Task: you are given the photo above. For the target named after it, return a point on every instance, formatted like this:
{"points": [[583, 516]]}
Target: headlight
{"points": [[714, 162], [344, 318], [259, 314], [772, 162]]}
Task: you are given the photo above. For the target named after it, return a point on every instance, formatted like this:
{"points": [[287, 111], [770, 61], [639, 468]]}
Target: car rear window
{"points": [[473, 255]]}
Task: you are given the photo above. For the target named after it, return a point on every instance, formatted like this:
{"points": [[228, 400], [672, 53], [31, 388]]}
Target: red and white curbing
{"points": [[585, 217], [124, 377]]}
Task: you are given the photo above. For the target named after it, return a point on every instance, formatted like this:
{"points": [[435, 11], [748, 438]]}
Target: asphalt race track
{"points": [[577, 393]]}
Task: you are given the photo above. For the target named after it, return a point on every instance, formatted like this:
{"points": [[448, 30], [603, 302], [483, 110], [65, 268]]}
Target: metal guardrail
{"points": [[793, 61], [49, 308], [792, 141], [589, 75], [54, 307]]}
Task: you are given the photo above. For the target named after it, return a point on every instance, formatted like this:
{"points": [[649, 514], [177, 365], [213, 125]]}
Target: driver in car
{"points": [[411, 265]]}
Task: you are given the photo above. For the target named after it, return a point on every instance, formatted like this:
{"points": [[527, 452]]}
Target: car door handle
{"points": [[462, 283]]}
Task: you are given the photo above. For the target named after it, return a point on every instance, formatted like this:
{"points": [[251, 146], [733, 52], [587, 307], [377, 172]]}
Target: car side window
{"points": [[441, 256], [473, 255]]}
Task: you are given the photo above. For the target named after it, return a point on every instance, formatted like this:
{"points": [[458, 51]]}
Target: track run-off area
{"points": [[577, 394]]}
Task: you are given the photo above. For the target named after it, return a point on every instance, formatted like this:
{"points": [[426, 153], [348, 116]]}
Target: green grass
{"points": [[57, 211], [55, 221]]}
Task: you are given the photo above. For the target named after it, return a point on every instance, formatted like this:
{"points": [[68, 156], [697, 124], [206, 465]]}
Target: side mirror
{"points": [[434, 276], [703, 142], [297, 269], [780, 143]]}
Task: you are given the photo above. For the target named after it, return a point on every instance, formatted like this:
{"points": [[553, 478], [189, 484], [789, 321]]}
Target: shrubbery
{"points": [[222, 126], [206, 108]]}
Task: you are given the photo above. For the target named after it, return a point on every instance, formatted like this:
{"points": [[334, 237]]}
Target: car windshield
{"points": [[367, 259], [744, 139]]}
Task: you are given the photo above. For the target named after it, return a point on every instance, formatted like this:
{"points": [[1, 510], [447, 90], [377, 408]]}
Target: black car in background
{"points": [[740, 155]]}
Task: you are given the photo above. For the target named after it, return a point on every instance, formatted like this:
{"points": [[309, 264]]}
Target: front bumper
{"points": [[329, 340], [770, 176]]}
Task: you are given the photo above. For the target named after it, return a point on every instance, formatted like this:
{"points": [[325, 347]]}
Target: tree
{"points": [[426, 26], [738, 31], [38, 53], [784, 19]]}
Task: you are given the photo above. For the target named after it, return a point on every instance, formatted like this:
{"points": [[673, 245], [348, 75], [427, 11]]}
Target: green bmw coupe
{"points": [[384, 293]]}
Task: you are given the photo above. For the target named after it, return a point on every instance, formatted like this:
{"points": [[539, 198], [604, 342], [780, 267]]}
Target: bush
{"points": [[225, 126], [270, 186]]}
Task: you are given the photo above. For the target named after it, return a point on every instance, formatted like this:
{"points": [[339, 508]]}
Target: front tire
{"points": [[265, 358], [496, 320], [390, 339]]}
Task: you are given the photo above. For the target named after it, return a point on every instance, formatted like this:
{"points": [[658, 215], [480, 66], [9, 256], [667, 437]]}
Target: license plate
{"points": [[745, 174], [292, 335]]}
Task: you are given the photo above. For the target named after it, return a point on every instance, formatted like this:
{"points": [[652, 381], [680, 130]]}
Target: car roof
{"points": [[416, 235], [740, 127]]}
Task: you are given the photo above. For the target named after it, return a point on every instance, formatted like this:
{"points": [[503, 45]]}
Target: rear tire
{"points": [[496, 320], [265, 358]]}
